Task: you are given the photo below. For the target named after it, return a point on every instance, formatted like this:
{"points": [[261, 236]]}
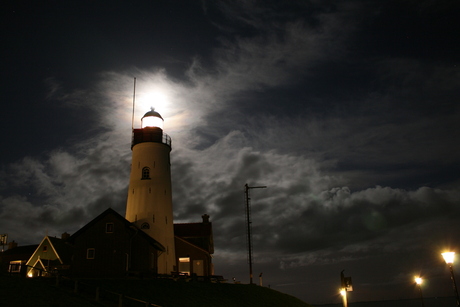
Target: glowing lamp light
{"points": [[343, 292], [30, 274], [449, 257], [152, 119], [418, 281]]}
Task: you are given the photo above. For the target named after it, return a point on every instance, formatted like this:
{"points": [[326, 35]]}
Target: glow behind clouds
{"points": [[345, 111], [155, 99]]}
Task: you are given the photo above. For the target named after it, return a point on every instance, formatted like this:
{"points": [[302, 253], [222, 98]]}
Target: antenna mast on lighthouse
{"points": [[134, 101]]}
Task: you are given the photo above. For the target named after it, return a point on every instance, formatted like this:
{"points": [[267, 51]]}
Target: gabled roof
{"points": [[61, 250], [128, 225]]}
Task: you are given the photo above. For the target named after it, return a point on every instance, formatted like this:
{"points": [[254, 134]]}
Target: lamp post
{"points": [[343, 292], [418, 281], [449, 258], [345, 287]]}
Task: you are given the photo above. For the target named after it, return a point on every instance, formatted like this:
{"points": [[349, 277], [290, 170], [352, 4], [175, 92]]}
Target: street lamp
{"points": [[346, 286], [419, 281], [449, 258], [343, 292]]}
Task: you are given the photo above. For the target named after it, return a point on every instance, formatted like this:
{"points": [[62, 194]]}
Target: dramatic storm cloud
{"points": [[346, 111]]}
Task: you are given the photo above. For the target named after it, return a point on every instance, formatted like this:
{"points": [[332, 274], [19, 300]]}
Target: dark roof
{"points": [[152, 113], [198, 234], [187, 230], [63, 249], [21, 250], [130, 226], [191, 244]]}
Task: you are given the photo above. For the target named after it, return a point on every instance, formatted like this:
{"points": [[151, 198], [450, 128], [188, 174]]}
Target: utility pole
{"points": [[249, 222]]}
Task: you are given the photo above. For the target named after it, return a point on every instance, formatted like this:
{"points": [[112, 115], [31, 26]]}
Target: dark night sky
{"points": [[347, 110]]}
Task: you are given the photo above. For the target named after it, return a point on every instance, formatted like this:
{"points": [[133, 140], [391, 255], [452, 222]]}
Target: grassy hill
{"points": [[161, 292]]}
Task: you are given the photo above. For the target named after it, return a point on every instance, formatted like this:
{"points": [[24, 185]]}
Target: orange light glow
{"points": [[449, 257]]}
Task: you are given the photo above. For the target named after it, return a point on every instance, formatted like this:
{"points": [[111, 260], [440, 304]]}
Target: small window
{"points": [[145, 173], [145, 226], [15, 266], [45, 248], [90, 253], [184, 265], [109, 228]]}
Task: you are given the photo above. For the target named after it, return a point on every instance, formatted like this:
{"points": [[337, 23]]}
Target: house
{"points": [[110, 246], [194, 247], [52, 255], [14, 259]]}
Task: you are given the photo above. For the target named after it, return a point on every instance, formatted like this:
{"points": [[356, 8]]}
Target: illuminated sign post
{"points": [[346, 286], [3, 240]]}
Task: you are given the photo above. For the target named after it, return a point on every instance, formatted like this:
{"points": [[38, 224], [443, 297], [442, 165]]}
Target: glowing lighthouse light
{"points": [[152, 119]]}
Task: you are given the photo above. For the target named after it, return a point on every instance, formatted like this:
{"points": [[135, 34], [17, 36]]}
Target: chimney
{"points": [[65, 236], [205, 218], [12, 245]]}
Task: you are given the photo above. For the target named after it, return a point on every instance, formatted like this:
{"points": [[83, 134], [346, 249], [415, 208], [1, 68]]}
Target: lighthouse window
{"points": [[145, 173]]}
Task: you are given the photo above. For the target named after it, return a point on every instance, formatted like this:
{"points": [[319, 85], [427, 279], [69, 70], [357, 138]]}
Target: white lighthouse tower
{"points": [[149, 203]]}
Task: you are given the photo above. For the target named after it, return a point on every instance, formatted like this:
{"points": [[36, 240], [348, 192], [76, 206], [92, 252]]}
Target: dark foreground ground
{"points": [[49, 292], [428, 302], [17, 291]]}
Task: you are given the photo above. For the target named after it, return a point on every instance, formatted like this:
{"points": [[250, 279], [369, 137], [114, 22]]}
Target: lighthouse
{"points": [[149, 203]]}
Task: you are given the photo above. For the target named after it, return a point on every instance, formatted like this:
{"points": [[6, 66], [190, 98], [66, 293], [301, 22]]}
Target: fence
{"points": [[100, 295]]}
